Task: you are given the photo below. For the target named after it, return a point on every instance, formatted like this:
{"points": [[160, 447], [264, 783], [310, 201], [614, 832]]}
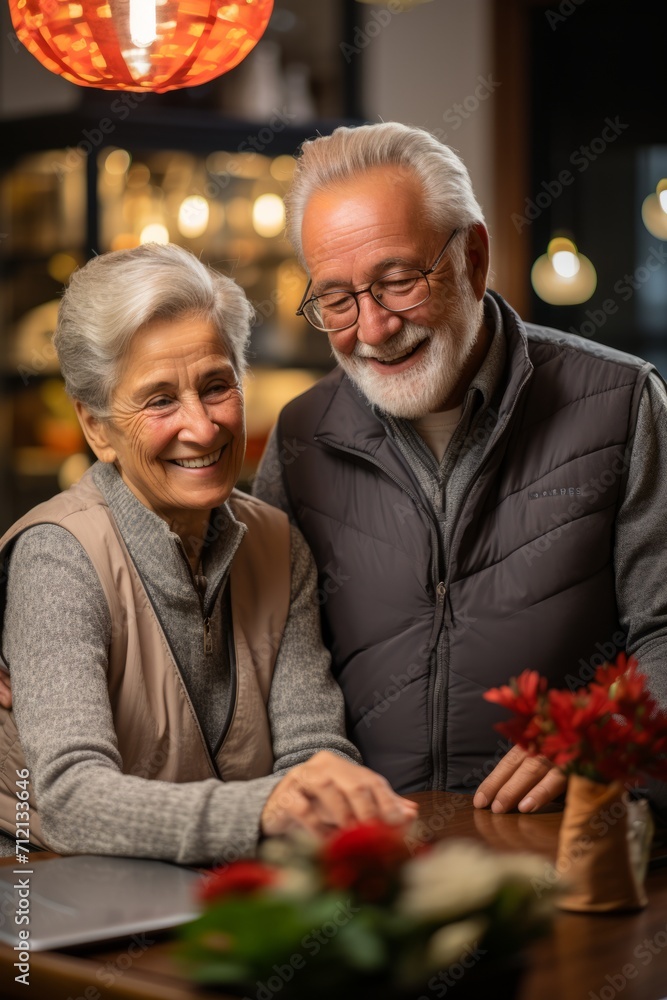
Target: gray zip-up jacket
{"points": [[422, 621]]}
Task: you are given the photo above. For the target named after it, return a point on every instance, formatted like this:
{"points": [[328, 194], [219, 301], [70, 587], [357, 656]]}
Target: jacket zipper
{"points": [[208, 638], [208, 635], [233, 691]]}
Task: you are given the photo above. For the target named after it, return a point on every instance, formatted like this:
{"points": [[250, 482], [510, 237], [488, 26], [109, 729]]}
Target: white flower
{"points": [[522, 867], [459, 877], [297, 883], [453, 879], [299, 847], [451, 942]]}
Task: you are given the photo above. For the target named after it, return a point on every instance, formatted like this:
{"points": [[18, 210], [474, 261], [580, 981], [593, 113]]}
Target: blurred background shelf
{"points": [[517, 87], [206, 167]]}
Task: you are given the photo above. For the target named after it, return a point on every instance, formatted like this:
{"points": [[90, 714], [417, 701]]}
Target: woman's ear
{"points": [[96, 433]]}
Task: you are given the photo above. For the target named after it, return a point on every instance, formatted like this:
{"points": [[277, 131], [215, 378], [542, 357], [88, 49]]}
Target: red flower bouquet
{"points": [[602, 735], [612, 729], [362, 916]]}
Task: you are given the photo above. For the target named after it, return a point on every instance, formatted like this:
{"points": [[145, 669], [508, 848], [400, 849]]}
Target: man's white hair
{"points": [[116, 294], [449, 200]]}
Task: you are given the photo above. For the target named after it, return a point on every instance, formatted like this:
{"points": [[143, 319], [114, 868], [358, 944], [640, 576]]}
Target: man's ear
{"points": [[96, 433], [477, 258]]}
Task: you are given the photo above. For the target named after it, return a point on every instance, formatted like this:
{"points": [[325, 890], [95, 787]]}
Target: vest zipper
{"points": [[440, 758], [437, 687], [473, 484], [439, 690]]}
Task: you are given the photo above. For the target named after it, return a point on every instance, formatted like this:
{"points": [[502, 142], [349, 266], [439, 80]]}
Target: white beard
{"points": [[428, 384]]}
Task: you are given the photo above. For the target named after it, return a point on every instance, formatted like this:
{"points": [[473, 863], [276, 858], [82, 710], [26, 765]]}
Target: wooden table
{"points": [[585, 958]]}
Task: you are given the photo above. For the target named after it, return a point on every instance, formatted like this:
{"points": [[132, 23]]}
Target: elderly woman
{"points": [[171, 692]]}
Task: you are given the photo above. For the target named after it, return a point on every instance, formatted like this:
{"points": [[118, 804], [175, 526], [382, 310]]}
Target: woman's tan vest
{"points": [[158, 733]]}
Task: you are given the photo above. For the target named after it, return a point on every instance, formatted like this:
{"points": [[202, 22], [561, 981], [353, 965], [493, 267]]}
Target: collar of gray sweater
{"points": [[157, 552]]}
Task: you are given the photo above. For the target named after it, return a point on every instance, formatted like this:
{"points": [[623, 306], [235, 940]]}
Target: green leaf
{"points": [[241, 939], [362, 946], [221, 972]]}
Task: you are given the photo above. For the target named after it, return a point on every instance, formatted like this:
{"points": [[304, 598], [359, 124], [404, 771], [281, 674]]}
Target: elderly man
{"points": [[481, 495]]}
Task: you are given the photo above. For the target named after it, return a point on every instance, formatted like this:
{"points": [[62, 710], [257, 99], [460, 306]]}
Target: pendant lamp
{"points": [[140, 45], [563, 276], [654, 211]]}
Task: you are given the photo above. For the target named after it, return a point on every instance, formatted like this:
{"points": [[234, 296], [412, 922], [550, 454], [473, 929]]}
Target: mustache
{"points": [[405, 340]]}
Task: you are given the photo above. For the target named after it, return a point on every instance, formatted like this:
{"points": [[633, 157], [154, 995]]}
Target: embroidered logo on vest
{"points": [[562, 491]]}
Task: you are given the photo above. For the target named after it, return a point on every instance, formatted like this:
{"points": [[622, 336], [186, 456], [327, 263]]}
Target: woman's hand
{"points": [[327, 792]]}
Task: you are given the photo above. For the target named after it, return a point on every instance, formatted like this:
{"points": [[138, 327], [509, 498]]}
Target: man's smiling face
{"points": [[355, 231]]}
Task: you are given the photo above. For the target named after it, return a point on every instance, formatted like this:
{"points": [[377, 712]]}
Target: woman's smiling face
{"points": [[177, 428]]}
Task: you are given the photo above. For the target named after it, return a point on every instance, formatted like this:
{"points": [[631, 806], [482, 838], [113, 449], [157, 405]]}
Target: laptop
{"points": [[62, 902]]}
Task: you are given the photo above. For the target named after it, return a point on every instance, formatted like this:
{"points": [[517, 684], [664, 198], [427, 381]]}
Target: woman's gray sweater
{"points": [[56, 635]]}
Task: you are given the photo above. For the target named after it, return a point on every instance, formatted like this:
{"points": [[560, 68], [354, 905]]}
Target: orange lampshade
{"points": [[141, 45]]}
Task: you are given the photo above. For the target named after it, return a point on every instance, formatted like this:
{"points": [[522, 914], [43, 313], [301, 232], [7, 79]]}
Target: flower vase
{"points": [[603, 847]]}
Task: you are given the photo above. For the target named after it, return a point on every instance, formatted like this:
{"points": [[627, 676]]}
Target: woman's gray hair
{"points": [[449, 200], [116, 294]]}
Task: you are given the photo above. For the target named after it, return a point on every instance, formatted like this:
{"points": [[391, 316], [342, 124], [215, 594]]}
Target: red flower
{"points": [[560, 748], [366, 858], [624, 683], [574, 712], [611, 729], [241, 878], [522, 693], [610, 672], [526, 733], [523, 696]]}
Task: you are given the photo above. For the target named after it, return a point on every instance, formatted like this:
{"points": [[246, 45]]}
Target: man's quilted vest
{"points": [[418, 634], [159, 735]]}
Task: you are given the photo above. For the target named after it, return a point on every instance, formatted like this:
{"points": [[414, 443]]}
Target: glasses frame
{"points": [[369, 288]]}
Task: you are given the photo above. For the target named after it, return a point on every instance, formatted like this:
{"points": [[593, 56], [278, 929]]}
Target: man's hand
{"points": [[520, 781], [5, 690], [327, 792]]}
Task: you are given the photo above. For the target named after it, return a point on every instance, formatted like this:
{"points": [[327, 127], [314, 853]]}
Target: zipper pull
{"points": [[441, 604], [208, 638]]}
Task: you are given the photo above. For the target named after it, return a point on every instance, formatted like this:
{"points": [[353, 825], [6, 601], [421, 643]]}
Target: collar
{"points": [[350, 422], [492, 368], [155, 549], [481, 390]]}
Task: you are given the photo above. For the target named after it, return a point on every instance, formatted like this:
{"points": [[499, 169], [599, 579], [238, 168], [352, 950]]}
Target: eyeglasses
{"points": [[396, 291]]}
